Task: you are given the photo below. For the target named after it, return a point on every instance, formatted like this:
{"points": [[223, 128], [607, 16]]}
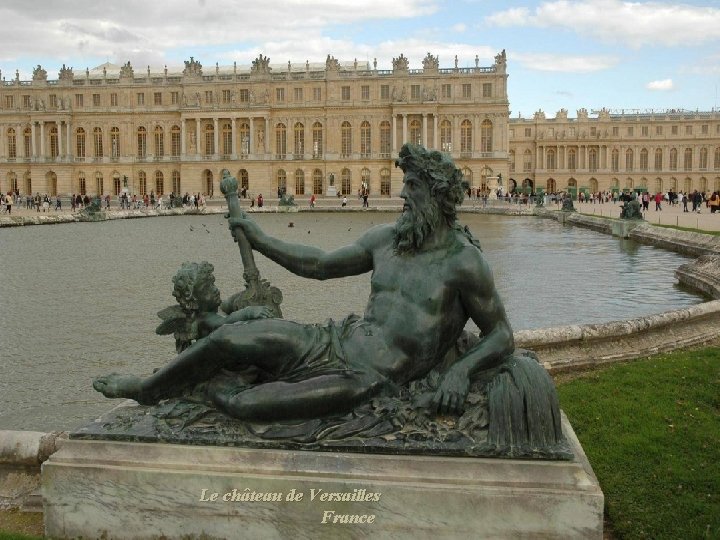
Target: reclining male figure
{"points": [[428, 278]]}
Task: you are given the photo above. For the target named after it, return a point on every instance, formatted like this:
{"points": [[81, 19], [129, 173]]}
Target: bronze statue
{"points": [[631, 210], [429, 277]]}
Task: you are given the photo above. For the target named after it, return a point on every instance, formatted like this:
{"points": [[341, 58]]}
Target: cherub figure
{"points": [[196, 314]]}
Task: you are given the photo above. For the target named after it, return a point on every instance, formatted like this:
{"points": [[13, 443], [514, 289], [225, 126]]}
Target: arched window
{"points": [[317, 137], [629, 183], [209, 185], [280, 141], [466, 142], [703, 184], [385, 182], [716, 159], [142, 182], [114, 142], [511, 158], [703, 159], [551, 185], [209, 139], [658, 159], [346, 139], [365, 147], [97, 142], [159, 142], [615, 160], [175, 141], [644, 159], [527, 161], [227, 148], [629, 159], [415, 132], [176, 188], [385, 140], [486, 136], [12, 144], [82, 188], [658, 185], [244, 179], [688, 185], [572, 159], [468, 175], [79, 143], [593, 185], [299, 182], [141, 142], [446, 136], [117, 185], [593, 159], [550, 164], [346, 188], [27, 142], [365, 180], [299, 140], [244, 138], [54, 148], [687, 159], [317, 182], [13, 182], [281, 178], [99, 187], [159, 184], [673, 159], [52, 182]]}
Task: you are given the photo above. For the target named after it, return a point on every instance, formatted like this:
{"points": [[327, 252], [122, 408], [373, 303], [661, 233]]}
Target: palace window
{"points": [[593, 160], [244, 133], [688, 130], [466, 142], [528, 132], [82, 187], [96, 100], [385, 182], [572, 159], [159, 184], [511, 158], [12, 143], [550, 159], [209, 140], [487, 90], [687, 159], [630, 131], [174, 98], [27, 102], [176, 182], [299, 140], [527, 161], [673, 159], [385, 141], [209, 97], [674, 130], [159, 137], [244, 95], [317, 94], [415, 132], [113, 100], [317, 139], [27, 142], [467, 91], [644, 159], [140, 98], [141, 142], [157, 98], [414, 91], [446, 90], [384, 91], [346, 139], [658, 159], [345, 91], [227, 147], [317, 182], [615, 160], [80, 143], [9, 102], [365, 92], [645, 131], [658, 130], [54, 149], [226, 96], [279, 95], [244, 179], [299, 182], [345, 183], [298, 95], [446, 136], [281, 181], [78, 100], [716, 159], [280, 141], [175, 141], [365, 141], [142, 181], [629, 160], [99, 184], [53, 101], [703, 159], [486, 136], [98, 142]]}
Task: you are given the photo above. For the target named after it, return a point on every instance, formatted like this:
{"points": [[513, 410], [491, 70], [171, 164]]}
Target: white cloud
{"points": [[459, 28], [563, 63], [633, 23], [664, 84]]}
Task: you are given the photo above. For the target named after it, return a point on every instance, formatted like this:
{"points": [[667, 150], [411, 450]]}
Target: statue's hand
{"points": [[249, 227], [256, 312], [451, 394]]}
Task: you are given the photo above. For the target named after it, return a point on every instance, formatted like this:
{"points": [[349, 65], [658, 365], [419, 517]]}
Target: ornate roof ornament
{"points": [[39, 74], [193, 68], [126, 71], [430, 62], [501, 58], [331, 64], [401, 63], [66, 73], [261, 65]]}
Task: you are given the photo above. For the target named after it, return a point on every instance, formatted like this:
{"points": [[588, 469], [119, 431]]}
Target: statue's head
{"points": [[433, 188], [194, 287]]}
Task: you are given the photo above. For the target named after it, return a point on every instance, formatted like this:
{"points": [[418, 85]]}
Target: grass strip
{"points": [[651, 430]]}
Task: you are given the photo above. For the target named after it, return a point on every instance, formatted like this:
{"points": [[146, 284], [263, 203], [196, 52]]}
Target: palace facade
{"points": [[297, 127], [305, 127]]}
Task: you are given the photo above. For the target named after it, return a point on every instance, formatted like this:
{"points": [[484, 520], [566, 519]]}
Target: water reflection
{"points": [[80, 300]]}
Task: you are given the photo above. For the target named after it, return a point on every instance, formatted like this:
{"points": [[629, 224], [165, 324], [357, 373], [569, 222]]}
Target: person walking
{"points": [[344, 201], [312, 201]]}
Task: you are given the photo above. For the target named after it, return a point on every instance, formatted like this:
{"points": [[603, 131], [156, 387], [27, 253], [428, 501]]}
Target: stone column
{"points": [[197, 136], [233, 137], [216, 136], [252, 145], [183, 143], [266, 143], [33, 151], [42, 139], [60, 139], [68, 143], [424, 130], [394, 134], [435, 132], [404, 128]]}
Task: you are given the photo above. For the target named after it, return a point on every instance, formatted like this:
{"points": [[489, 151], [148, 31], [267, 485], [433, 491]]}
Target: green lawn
{"points": [[651, 430]]}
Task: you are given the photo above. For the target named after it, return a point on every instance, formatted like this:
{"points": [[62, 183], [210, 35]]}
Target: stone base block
{"points": [[112, 489]]}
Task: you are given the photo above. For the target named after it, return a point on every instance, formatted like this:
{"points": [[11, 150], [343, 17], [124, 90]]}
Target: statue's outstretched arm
{"points": [[310, 261]]}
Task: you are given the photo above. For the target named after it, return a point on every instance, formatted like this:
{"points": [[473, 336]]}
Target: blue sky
{"points": [[561, 53]]}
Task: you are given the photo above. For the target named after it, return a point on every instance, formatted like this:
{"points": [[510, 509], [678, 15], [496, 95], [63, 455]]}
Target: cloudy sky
{"points": [[561, 53]]}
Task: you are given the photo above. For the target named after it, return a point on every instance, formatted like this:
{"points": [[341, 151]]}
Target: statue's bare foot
{"points": [[118, 386]]}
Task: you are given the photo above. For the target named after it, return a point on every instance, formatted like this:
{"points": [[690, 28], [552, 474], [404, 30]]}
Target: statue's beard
{"points": [[414, 226]]}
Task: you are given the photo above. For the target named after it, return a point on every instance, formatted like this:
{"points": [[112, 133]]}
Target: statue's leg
{"points": [[265, 343], [323, 395]]}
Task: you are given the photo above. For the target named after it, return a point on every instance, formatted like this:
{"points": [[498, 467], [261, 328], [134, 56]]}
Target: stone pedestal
{"points": [[331, 191], [113, 489]]}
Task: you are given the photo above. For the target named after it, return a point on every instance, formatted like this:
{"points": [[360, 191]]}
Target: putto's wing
{"points": [[174, 320]]}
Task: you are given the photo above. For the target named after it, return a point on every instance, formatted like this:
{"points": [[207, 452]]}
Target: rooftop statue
{"points": [[405, 376]]}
